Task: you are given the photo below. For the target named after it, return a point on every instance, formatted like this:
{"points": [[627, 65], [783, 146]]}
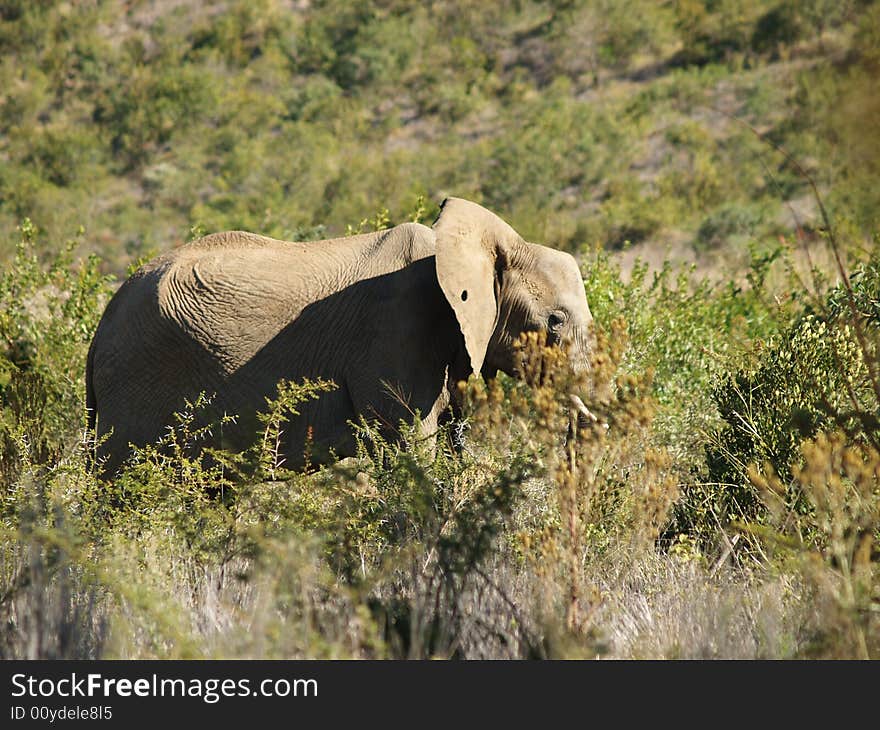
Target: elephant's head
{"points": [[501, 286]]}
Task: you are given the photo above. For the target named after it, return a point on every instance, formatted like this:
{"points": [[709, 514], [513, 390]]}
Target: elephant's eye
{"points": [[556, 319]]}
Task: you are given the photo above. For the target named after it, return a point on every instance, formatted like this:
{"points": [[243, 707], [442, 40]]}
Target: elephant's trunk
{"points": [[580, 351], [580, 356]]}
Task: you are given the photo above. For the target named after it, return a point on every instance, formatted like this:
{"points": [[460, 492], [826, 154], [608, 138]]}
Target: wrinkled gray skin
{"points": [[395, 318]]}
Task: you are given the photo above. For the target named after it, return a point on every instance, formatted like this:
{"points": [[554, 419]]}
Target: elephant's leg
{"points": [[322, 432]]}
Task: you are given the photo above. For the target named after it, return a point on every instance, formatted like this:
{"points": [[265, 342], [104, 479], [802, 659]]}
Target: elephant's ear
{"points": [[470, 242]]}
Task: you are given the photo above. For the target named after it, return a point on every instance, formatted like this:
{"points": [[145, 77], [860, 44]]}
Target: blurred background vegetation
{"points": [[585, 123], [713, 165]]}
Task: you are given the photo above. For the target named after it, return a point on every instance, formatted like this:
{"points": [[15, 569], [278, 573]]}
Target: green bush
{"points": [[728, 220], [143, 114], [49, 312], [779, 25], [689, 331], [818, 375]]}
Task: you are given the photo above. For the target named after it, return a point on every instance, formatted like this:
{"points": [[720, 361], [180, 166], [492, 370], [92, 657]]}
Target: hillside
{"points": [[584, 123]]}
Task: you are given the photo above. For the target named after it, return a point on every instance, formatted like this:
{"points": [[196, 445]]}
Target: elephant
{"points": [[395, 318]]}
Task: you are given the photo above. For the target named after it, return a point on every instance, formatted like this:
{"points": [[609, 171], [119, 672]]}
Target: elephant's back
{"points": [[215, 315], [237, 290], [233, 299], [228, 294], [349, 258]]}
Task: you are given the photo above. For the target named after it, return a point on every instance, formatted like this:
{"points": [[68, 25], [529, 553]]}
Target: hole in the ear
{"points": [[464, 295]]}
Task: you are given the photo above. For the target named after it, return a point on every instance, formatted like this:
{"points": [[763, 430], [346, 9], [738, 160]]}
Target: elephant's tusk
{"points": [[581, 409]]}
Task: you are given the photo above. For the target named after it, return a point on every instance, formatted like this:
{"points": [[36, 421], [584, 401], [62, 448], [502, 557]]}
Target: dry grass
{"points": [[663, 607]]}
